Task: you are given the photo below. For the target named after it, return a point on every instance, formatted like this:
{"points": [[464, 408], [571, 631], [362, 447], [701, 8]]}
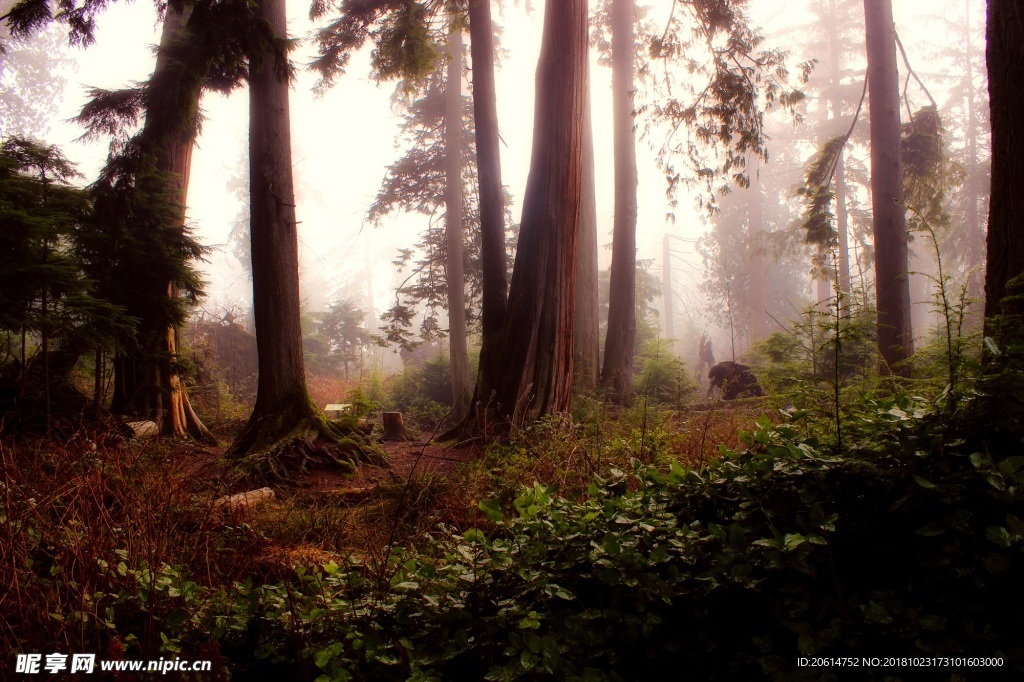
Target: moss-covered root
{"points": [[277, 447]]}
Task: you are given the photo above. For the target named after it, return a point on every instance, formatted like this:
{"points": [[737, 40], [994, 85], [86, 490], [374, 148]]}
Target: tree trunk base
{"points": [[277, 447], [483, 421], [395, 428], [182, 419]]}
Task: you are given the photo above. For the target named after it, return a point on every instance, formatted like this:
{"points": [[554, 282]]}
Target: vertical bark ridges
{"points": [[587, 328], [286, 431], [531, 371], [488, 154]]}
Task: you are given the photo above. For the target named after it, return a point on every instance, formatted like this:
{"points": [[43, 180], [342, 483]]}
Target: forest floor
{"points": [[327, 515], [416, 458], [694, 435], [107, 509], [94, 518], [429, 488], [406, 459], [163, 493]]}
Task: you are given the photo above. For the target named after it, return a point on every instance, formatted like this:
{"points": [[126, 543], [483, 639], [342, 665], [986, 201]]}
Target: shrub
{"points": [[663, 378], [910, 547], [101, 549], [423, 392]]}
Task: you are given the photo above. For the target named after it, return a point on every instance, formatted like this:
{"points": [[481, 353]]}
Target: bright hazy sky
{"points": [[342, 144]]}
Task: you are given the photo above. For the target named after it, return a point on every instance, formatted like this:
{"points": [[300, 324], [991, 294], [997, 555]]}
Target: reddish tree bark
{"points": [[587, 328], [146, 384], [617, 373], [181, 419], [892, 283], [531, 371], [1005, 55]]}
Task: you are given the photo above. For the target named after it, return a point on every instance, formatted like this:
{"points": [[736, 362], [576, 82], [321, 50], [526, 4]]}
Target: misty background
{"points": [[344, 140]]}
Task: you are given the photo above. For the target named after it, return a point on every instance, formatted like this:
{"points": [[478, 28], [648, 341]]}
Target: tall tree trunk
{"points": [[1005, 55], [457, 334], [275, 255], [843, 228], [285, 431], [976, 235], [842, 217], [531, 372], [757, 248], [892, 284], [667, 290], [587, 330], [617, 373], [488, 161], [181, 419], [146, 383]]}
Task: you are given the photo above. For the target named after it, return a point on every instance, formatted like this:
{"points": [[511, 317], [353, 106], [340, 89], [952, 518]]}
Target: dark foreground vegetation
{"points": [[602, 546], [853, 498]]}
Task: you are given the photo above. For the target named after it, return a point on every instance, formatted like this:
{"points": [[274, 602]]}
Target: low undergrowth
{"points": [[653, 555], [775, 551], [105, 548]]}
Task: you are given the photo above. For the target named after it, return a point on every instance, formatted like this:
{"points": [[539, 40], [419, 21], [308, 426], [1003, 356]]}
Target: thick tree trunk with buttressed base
{"points": [[531, 370], [286, 431]]}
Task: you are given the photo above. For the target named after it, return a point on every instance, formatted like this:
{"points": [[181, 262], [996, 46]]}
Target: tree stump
{"points": [[394, 427]]}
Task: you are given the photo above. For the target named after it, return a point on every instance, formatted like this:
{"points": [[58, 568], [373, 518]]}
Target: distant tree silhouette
{"points": [[617, 373]]}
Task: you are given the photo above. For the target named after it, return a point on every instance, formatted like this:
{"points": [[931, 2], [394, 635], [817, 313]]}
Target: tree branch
{"points": [[911, 72]]}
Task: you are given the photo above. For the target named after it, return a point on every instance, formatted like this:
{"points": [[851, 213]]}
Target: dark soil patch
{"points": [[405, 459]]}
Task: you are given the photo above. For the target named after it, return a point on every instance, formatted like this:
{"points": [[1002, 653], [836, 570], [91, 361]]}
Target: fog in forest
{"points": [[343, 143], [507, 339], [345, 138]]}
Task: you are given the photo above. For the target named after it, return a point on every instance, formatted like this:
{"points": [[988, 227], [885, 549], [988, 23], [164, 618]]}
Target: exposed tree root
{"points": [[181, 419], [482, 422], [277, 447]]}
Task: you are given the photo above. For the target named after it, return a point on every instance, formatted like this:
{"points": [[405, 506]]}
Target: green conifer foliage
{"points": [[51, 307]]}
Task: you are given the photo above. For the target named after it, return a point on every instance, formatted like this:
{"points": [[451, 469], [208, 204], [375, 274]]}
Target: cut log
{"points": [[144, 429], [394, 427], [237, 506]]}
